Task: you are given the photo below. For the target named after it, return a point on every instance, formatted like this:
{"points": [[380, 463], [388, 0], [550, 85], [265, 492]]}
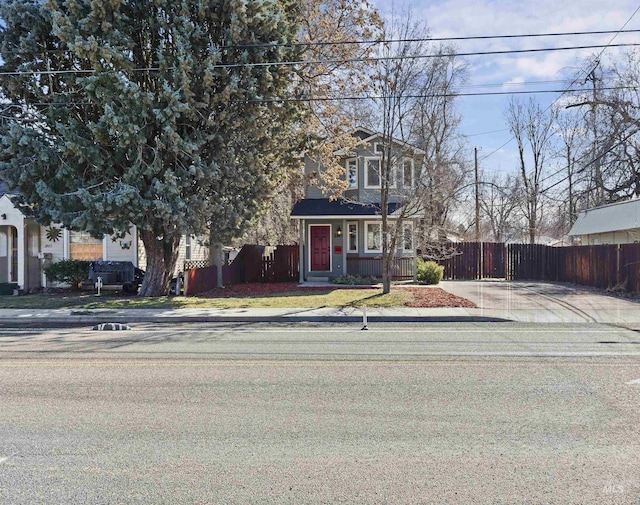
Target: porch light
{"points": [[4, 217], [338, 232]]}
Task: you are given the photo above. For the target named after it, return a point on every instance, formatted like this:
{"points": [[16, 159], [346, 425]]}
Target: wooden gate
{"points": [[473, 260]]}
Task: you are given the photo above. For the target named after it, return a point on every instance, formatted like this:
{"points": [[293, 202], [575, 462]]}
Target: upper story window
{"points": [[352, 173], [372, 172], [407, 173], [378, 148], [187, 247]]}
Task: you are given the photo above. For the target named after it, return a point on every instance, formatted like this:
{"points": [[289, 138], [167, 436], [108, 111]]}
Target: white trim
{"points": [[104, 248], [65, 245], [413, 173], [366, 172], [330, 226], [346, 166], [348, 235], [366, 237], [345, 227], [374, 135], [375, 147], [399, 142]]}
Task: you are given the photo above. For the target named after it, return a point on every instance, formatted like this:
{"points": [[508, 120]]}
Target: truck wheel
{"points": [[129, 288]]}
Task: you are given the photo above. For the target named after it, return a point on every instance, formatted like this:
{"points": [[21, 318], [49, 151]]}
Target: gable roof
{"points": [[607, 218], [337, 209], [367, 136]]}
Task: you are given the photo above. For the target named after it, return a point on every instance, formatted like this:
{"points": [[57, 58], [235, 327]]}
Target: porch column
{"points": [[345, 244], [301, 251], [414, 251], [22, 242]]}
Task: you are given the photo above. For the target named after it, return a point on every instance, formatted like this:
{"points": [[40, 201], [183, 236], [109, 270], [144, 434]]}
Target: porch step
{"points": [[317, 279]]}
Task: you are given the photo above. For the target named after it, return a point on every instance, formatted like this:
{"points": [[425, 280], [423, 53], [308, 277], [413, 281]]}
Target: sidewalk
{"points": [[64, 317], [496, 301]]}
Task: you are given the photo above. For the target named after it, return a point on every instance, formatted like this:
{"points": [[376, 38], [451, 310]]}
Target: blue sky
{"points": [[460, 18]]}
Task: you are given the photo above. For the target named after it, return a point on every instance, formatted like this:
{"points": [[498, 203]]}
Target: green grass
{"points": [[293, 299]]}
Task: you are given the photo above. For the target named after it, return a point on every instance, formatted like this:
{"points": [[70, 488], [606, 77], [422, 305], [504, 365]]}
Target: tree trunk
{"points": [[387, 260], [215, 259], [162, 255]]}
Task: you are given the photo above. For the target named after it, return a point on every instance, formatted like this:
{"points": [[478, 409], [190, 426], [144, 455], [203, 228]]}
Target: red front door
{"points": [[320, 248]]}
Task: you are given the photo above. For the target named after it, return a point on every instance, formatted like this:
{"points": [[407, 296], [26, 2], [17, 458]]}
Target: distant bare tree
{"points": [[532, 128], [500, 201], [435, 128]]}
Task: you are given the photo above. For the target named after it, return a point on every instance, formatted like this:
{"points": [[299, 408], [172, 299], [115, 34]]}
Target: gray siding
{"points": [[313, 186]]}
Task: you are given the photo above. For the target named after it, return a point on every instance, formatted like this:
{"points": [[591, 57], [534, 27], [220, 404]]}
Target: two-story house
{"points": [[344, 236]]}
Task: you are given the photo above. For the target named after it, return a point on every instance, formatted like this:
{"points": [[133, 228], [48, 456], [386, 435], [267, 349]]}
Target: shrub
{"points": [[355, 280], [429, 272], [71, 272]]}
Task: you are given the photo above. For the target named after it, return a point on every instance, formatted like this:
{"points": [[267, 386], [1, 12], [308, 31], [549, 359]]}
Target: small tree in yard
{"points": [[414, 104], [153, 113]]}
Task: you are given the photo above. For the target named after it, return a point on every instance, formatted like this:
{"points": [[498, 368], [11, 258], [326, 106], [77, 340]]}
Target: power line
{"points": [[378, 41], [428, 39], [595, 60], [327, 61], [434, 95], [362, 98]]}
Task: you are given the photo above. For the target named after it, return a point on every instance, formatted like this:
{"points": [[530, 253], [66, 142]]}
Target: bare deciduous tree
{"points": [[532, 128]]}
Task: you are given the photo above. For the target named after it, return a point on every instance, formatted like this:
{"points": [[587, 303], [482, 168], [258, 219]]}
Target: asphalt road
{"points": [[238, 413]]}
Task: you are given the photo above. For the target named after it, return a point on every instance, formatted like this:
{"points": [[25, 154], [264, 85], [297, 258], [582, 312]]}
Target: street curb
{"points": [[66, 321]]}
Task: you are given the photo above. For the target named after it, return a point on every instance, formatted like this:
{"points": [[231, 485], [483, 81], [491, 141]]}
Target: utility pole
{"points": [[597, 173], [475, 155]]}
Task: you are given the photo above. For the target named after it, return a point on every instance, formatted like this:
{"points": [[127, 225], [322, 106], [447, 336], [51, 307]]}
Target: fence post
{"points": [[618, 277]]}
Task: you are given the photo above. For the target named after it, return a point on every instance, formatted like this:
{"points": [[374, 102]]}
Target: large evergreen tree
{"points": [[156, 113]]}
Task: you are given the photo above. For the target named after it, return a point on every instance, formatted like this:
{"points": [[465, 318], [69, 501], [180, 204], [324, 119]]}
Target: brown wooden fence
{"points": [[599, 266], [602, 266], [252, 264], [199, 280], [402, 268], [281, 264], [472, 260]]}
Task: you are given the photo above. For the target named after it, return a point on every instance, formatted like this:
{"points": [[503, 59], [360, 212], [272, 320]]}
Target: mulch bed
{"points": [[435, 298], [422, 296]]}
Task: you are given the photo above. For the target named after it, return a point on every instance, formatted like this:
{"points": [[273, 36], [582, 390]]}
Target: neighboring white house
{"points": [[616, 223], [26, 248]]}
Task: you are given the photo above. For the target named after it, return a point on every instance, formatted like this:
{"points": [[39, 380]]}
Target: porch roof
{"points": [[313, 208]]}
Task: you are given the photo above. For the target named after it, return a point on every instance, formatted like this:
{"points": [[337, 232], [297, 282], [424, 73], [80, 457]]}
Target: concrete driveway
{"points": [[545, 302]]}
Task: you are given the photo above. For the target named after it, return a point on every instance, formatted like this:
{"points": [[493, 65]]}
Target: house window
{"points": [[352, 173], [374, 237], [352, 237], [378, 147], [407, 237], [372, 172], [187, 248], [407, 173], [82, 246]]}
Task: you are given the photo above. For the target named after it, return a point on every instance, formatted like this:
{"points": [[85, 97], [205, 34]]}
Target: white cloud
{"points": [[465, 18]]}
